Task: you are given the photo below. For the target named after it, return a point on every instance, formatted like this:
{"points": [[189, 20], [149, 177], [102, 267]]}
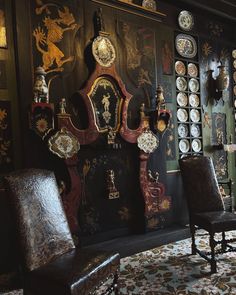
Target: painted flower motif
{"points": [[42, 125], [3, 114], [124, 213], [165, 204], [206, 49], [224, 54]]}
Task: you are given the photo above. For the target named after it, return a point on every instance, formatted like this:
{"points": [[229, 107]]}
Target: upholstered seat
{"points": [[216, 221], [76, 272], [205, 204], [50, 261]]}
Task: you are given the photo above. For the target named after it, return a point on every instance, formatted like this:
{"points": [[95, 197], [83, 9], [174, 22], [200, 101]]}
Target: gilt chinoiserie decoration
{"points": [[56, 22], [106, 103]]}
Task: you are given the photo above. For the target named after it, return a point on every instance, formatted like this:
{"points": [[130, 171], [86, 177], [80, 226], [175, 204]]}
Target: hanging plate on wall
{"points": [[103, 51], [182, 99], [147, 141], [195, 130], [186, 20], [194, 100], [196, 145], [182, 115], [64, 144], [184, 145], [180, 68], [186, 45], [183, 130], [193, 85], [192, 70]]}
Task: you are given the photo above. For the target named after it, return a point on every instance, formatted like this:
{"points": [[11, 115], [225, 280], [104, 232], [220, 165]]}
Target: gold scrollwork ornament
{"points": [[103, 51]]}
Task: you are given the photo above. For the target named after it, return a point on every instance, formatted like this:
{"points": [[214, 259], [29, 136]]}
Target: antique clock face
{"points": [[185, 20]]}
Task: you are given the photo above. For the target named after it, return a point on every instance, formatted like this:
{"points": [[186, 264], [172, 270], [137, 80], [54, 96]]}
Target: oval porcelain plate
{"points": [[180, 68], [196, 145], [186, 45], [195, 116], [181, 83], [182, 99], [183, 130], [194, 100], [186, 20], [192, 70], [193, 85], [182, 115], [195, 130], [184, 145], [234, 53], [234, 76]]}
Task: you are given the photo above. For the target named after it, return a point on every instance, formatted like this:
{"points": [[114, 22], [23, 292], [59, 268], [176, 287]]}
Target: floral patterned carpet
{"points": [[170, 269]]}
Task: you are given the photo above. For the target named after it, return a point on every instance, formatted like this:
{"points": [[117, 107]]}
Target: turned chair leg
{"points": [[213, 261], [115, 283], [193, 230], [223, 242]]}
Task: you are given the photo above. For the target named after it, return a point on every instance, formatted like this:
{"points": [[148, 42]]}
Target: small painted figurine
{"points": [[112, 191], [62, 106], [40, 89]]}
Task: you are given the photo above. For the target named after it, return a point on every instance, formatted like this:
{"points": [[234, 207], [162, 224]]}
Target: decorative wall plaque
{"points": [[147, 141], [106, 101], [64, 144], [41, 118], [103, 51], [186, 45], [186, 20]]}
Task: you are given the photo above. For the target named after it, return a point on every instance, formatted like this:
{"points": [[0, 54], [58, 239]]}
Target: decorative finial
{"points": [[40, 89], [62, 104], [160, 100], [99, 20]]}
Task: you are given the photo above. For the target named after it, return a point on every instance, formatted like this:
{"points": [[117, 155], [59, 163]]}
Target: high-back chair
{"points": [[50, 261], [205, 204]]}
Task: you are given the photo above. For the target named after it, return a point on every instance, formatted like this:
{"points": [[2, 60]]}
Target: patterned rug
{"points": [[170, 269]]}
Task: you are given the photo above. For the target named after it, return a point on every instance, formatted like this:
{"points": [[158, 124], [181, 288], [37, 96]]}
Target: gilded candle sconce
{"points": [[216, 86], [162, 115]]}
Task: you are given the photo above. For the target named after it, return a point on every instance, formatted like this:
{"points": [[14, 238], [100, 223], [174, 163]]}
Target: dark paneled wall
{"points": [[140, 38]]}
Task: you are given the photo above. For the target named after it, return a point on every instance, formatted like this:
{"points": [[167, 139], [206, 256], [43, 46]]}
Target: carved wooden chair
{"points": [[206, 207], [51, 264]]}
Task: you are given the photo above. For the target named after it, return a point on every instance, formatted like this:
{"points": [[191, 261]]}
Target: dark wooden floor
{"points": [[131, 244]]}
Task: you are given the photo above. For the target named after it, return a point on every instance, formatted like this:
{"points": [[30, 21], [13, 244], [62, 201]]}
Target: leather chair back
{"points": [[200, 184], [40, 219]]}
